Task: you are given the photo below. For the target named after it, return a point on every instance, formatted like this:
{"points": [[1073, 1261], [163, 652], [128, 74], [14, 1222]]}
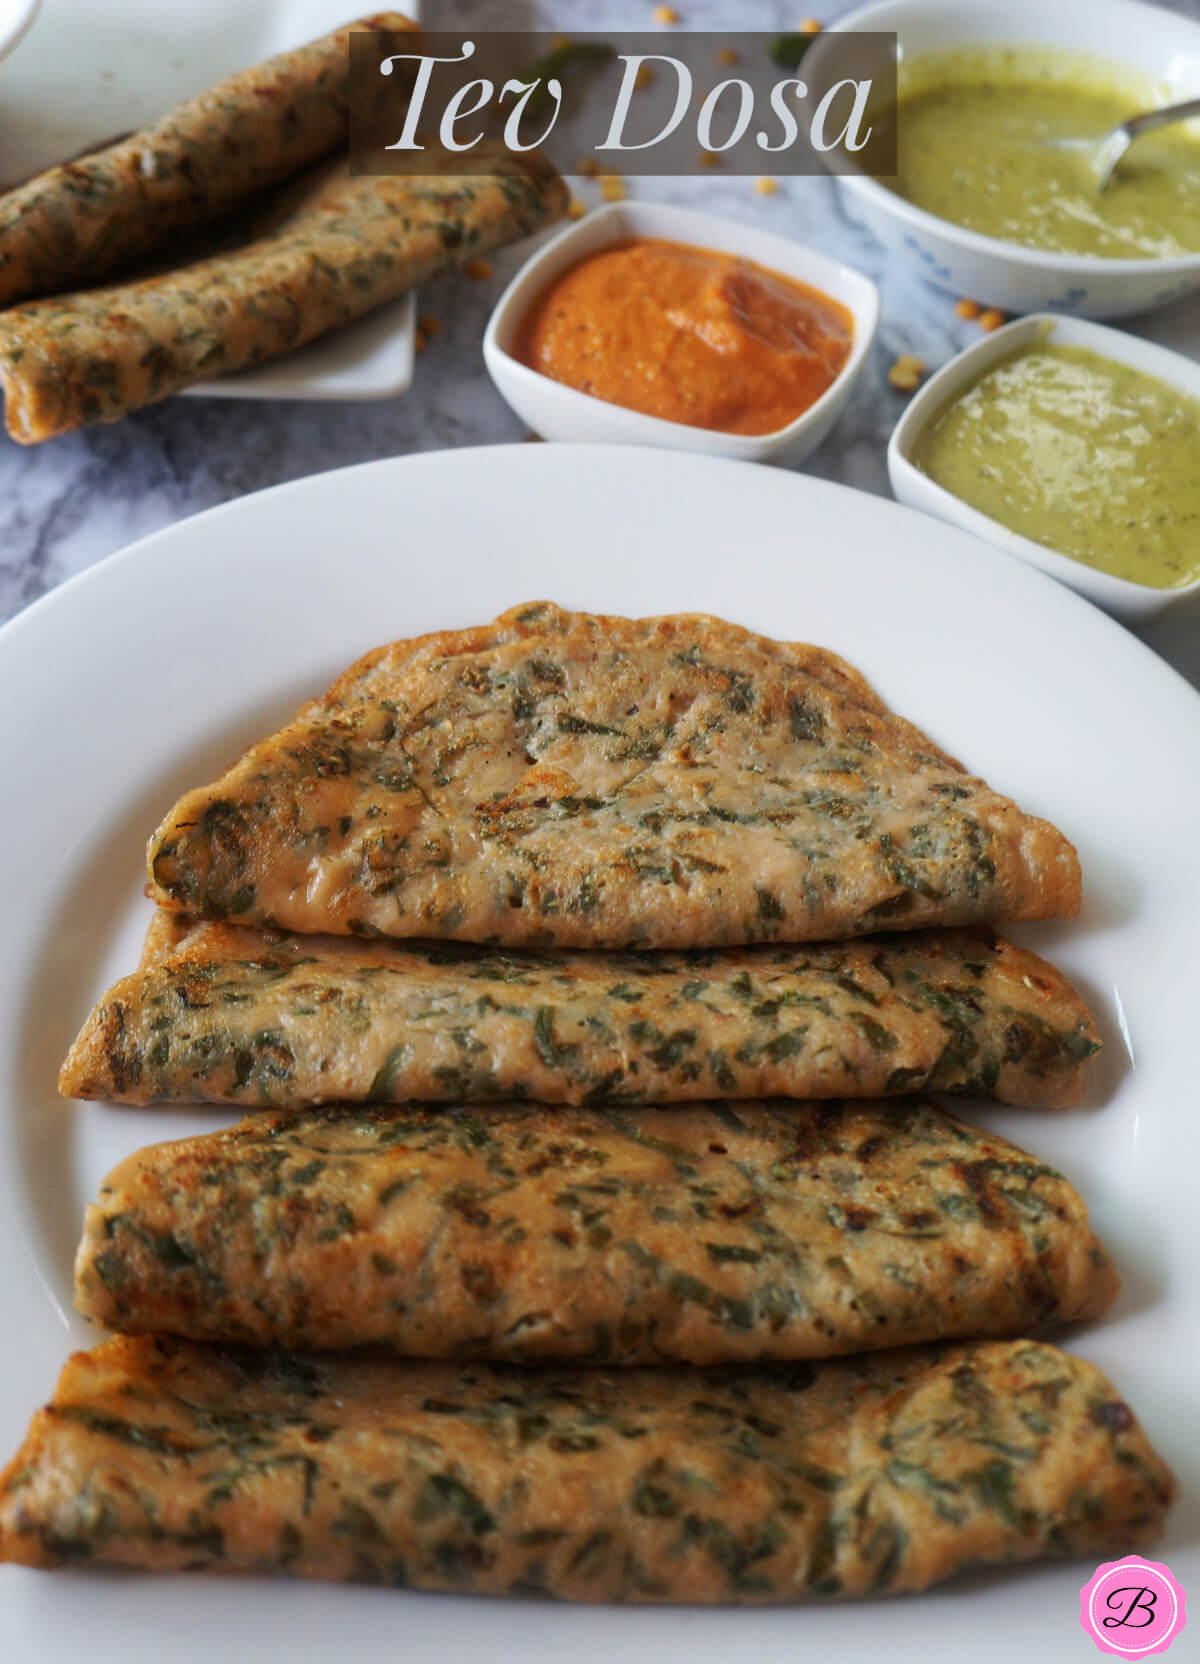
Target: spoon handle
{"points": [[1151, 119]]}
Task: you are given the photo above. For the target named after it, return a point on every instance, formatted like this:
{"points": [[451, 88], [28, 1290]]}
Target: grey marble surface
{"points": [[68, 503]]}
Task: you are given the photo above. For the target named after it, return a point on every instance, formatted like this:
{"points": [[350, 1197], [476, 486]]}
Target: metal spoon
{"points": [[1106, 152]]}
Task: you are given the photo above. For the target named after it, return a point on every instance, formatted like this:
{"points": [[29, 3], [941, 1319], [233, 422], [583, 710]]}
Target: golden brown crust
{"points": [[882, 1474], [166, 934], [228, 1013], [578, 781], [531, 621], [699, 1233]]}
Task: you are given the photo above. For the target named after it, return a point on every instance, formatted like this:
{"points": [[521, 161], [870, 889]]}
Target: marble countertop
{"points": [[68, 503]]}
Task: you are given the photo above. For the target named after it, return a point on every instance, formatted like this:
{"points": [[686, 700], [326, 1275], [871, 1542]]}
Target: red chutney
{"points": [[688, 334]]}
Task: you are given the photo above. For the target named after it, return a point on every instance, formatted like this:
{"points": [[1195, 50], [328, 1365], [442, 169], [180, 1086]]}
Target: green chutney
{"points": [[971, 147], [1089, 457]]}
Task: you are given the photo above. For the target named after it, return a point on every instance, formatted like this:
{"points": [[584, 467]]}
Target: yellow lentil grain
{"points": [[967, 308], [991, 319], [905, 374]]}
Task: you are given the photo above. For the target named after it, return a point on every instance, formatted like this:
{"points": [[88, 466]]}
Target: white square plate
{"points": [[91, 69]]}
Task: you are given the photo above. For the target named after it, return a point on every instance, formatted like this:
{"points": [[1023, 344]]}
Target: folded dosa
{"points": [[230, 1013], [877, 1474], [335, 248], [561, 779], [701, 1233], [71, 226]]}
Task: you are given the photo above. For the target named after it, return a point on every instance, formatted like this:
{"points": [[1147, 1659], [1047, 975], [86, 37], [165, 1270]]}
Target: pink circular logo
{"points": [[1132, 1607]]}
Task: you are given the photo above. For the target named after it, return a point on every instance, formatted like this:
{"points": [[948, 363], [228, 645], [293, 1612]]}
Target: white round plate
{"points": [[15, 18], [147, 674]]}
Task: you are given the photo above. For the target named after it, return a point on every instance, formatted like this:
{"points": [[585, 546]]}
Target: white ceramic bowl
{"points": [[558, 412], [1126, 600], [1143, 40]]}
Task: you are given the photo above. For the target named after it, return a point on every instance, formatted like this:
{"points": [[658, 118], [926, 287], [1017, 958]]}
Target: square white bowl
{"points": [[1130, 601], [556, 411]]}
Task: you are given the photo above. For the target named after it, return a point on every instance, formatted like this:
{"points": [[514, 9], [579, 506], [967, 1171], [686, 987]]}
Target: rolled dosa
{"points": [[228, 1013], [874, 1475], [700, 1233], [74, 224], [339, 248]]}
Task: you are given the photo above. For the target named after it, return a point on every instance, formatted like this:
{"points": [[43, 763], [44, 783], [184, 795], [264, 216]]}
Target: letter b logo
{"points": [[1124, 1605], [1132, 1607]]}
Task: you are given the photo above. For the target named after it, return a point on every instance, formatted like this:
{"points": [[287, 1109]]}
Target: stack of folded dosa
{"points": [[260, 239], [581, 976]]}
